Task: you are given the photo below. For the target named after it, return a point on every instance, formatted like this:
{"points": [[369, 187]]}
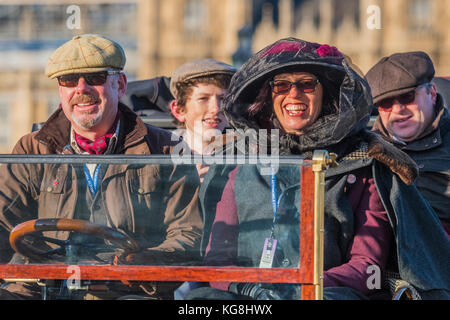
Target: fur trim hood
{"points": [[351, 92]]}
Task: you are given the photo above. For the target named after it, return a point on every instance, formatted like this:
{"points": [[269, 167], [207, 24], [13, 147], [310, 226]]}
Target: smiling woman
{"points": [[297, 100], [316, 100]]}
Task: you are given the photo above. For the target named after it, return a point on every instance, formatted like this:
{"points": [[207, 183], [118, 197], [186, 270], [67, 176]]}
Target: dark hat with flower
{"points": [[346, 103], [291, 54]]}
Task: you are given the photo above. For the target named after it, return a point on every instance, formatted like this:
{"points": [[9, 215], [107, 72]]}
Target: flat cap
{"points": [[85, 54], [398, 74], [197, 69]]}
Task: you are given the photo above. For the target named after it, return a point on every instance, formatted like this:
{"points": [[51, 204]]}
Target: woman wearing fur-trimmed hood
{"points": [[316, 100]]}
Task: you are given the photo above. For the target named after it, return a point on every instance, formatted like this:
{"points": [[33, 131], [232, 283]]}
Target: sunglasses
{"points": [[284, 86], [406, 98], [92, 79]]}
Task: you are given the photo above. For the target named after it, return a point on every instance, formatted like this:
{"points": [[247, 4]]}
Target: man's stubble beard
{"points": [[88, 123], [82, 121]]}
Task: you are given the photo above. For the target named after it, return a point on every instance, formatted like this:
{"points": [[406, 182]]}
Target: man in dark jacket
{"points": [[413, 115], [154, 204]]}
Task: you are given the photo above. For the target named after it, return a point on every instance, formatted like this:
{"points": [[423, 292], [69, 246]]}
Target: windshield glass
{"points": [[116, 210]]}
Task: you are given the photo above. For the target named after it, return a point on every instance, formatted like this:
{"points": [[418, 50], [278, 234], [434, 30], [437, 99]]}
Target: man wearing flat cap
{"points": [[155, 204], [413, 115]]}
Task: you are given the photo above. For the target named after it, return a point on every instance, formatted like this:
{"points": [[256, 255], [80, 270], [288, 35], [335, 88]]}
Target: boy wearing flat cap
{"points": [[156, 205], [413, 115], [199, 87]]}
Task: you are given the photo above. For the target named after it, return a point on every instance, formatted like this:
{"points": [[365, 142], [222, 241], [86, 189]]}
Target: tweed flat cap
{"points": [[398, 74], [84, 54], [196, 69]]}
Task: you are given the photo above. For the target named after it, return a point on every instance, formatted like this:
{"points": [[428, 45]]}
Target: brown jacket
{"points": [[156, 204]]}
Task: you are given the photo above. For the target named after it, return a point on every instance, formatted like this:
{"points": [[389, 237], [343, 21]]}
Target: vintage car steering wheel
{"points": [[18, 236]]}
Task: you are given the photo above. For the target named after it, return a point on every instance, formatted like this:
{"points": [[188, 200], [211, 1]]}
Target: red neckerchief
{"points": [[98, 146]]}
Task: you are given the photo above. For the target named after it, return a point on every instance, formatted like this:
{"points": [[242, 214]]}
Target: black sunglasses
{"points": [[284, 86], [92, 79], [406, 98]]}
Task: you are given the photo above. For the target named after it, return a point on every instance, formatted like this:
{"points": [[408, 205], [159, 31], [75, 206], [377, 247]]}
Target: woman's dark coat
{"points": [[422, 249]]}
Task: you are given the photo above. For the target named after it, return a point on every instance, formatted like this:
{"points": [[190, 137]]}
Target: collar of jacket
{"points": [[373, 146], [429, 139], [55, 133], [391, 156]]}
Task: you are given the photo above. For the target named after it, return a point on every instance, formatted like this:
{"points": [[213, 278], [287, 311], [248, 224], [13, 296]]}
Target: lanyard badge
{"points": [[92, 182], [270, 244]]}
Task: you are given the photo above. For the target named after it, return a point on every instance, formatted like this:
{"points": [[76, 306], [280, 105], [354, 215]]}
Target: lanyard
{"points": [[92, 182], [273, 188], [270, 243]]}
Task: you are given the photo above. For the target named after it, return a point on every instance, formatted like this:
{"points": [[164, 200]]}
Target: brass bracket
{"points": [[322, 160]]}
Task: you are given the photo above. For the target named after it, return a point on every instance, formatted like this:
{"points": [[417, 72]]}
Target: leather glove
{"points": [[254, 291]]}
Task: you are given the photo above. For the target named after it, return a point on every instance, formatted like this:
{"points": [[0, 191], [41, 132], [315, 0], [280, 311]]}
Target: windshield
{"points": [[150, 209]]}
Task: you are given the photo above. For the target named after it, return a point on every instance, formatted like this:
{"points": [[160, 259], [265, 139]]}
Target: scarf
{"points": [[98, 146]]}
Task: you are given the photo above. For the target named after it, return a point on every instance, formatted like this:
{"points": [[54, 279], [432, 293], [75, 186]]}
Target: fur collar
{"points": [[398, 161], [370, 145]]}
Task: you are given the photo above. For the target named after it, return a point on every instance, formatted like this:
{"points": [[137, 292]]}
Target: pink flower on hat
{"points": [[326, 50], [284, 47]]}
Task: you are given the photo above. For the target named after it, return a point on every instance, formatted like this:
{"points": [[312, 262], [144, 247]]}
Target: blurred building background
{"points": [[158, 35]]}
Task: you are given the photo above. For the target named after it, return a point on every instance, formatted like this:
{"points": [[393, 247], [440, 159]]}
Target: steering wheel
{"points": [[18, 235]]}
